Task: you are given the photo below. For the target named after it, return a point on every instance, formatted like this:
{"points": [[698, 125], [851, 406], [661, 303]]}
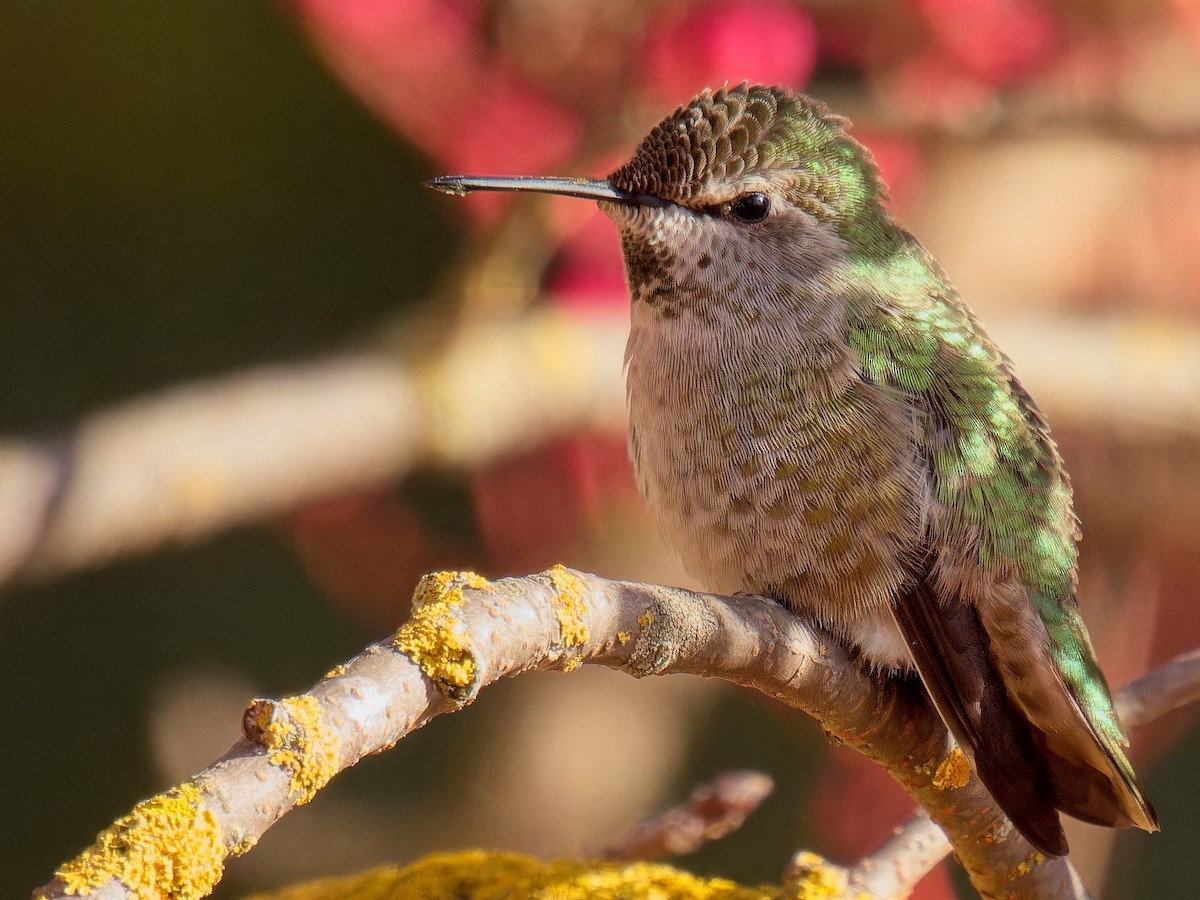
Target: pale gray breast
{"points": [[771, 466]]}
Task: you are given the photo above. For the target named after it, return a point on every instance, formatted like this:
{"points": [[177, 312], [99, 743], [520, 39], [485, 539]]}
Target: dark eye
{"points": [[751, 208]]}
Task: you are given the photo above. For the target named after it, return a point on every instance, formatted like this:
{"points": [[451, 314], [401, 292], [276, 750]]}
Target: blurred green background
{"points": [[184, 191]]}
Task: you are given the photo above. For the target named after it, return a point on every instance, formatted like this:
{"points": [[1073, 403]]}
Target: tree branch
{"points": [[895, 868], [917, 846], [465, 634], [714, 810], [892, 871], [1169, 687]]}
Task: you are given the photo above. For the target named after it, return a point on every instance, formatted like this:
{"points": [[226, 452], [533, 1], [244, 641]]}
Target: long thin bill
{"points": [[587, 188]]}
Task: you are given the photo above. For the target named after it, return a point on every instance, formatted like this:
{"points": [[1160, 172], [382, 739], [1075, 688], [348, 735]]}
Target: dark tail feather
{"points": [[1079, 792], [950, 650], [1015, 772], [1088, 795]]}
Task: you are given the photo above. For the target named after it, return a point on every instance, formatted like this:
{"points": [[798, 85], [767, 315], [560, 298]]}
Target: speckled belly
{"points": [[767, 478]]}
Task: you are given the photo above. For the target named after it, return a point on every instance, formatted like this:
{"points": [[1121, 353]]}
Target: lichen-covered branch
{"points": [[473, 873], [917, 846], [197, 459], [465, 634], [890, 873]]}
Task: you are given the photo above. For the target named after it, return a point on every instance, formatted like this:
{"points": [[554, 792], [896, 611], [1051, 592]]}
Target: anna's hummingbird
{"points": [[816, 415]]}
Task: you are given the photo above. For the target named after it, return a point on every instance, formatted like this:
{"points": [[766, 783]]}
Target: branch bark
{"points": [[466, 633], [714, 810], [890, 873], [917, 846]]}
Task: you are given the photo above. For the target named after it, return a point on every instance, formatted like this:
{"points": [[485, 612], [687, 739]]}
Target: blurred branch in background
{"points": [[189, 462], [1168, 687], [192, 461], [712, 811]]}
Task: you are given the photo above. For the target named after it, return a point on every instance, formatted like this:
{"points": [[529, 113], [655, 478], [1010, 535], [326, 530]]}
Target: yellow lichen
{"points": [[570, 607], [431, 638], [624, 637], [297, 737], [477, 875], [1023, 868], [813, 878], [168, 846], [952, 772], [436, 586], [645, 619]]}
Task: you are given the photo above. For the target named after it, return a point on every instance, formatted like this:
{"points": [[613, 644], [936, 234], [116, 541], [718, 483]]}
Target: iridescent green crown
{"points": [[725, 135]]}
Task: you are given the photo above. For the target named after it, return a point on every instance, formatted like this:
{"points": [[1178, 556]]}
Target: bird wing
{"points": [[991, 615]]}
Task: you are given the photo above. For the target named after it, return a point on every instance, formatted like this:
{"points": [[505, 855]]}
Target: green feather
{"points": [[993, 464]]}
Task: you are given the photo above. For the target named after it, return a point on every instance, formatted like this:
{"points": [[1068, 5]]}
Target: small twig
{"points": [[1172, 685], [908, 856], [714, 809], [890, 873]]}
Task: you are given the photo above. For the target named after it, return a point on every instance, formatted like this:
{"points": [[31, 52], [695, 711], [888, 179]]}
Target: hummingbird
{"points": [[816, 415]]}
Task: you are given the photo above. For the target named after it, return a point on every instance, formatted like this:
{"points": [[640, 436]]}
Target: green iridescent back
{"points": [[992, 461]]}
